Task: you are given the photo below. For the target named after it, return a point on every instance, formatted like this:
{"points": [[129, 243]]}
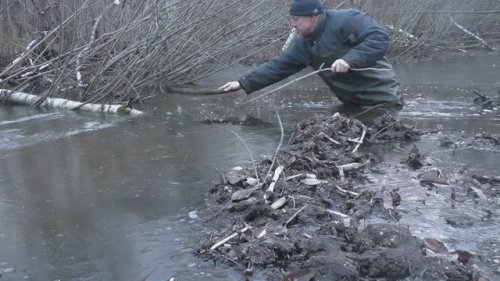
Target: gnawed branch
{"points": [[475, 36]]}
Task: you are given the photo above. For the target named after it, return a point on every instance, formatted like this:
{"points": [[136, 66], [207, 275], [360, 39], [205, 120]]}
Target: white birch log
{"points": [[58, 103]]}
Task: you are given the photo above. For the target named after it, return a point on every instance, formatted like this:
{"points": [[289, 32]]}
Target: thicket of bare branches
{"points": [[419, 27], [111, 50]]}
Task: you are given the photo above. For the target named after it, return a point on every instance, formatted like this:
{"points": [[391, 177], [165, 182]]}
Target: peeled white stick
{"points": [[276, 176], [294, 215], [223, 241], [278, 203], [360, 140], [350, 166]]}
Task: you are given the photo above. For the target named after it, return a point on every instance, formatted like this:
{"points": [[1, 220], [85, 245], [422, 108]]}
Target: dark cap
{"points": [[306, 8]]}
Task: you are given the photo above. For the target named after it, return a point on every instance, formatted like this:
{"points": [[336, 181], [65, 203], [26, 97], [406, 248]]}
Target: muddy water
{"points": [[92, 197]]}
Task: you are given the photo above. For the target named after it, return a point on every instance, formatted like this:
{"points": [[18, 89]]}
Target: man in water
{"points": [[349, 42]]}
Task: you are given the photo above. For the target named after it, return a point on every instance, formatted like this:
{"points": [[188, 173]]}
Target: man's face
{"points": [[304, 24]]}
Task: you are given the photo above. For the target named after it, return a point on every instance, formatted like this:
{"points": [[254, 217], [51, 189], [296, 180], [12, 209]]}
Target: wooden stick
{"points": [[23, 54], [383, 129], [294, 215], [350, 166], [347, 191], [276, 176], [329, 138], [282, 136], [285, 85], [354, 140], [360, 140], [341, 173], [347, 168], [278, 203], [337, 213], [472, 34], [293, 177], [80, 58], [194, 92], [249, 151], [223, 241]]}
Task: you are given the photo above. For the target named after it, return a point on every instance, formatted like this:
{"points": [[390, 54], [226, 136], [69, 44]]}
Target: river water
{"points": [[97, 197]]}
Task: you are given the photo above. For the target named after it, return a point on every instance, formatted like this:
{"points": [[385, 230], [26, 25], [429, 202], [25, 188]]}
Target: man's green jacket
{"points": [[350, 35]]}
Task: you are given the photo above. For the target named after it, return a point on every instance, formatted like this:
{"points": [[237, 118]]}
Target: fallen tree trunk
{"points": [[58, 103]]}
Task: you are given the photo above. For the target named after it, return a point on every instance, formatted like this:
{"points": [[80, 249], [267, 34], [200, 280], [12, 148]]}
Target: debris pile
{"points": [[298, 215]]}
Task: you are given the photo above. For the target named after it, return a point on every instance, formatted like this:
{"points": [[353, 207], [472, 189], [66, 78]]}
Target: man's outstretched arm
{"points": [[277, 69]]}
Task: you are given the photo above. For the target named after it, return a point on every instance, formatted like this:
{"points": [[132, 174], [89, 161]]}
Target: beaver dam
{"points": [[313, 212]]}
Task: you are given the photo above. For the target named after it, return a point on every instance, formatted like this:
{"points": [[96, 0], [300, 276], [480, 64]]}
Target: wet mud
{"points": [[301, 214]]}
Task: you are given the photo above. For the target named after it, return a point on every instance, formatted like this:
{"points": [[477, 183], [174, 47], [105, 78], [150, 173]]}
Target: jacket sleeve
{"points": [[278, 68], [370, 41]]}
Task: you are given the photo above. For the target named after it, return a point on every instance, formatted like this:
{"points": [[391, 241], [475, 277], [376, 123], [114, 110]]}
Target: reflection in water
{"points": [[93, 197]]}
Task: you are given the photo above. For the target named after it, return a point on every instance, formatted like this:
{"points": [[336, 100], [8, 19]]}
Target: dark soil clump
{"points": [[483, 101], [302, 218], [415, 159]]}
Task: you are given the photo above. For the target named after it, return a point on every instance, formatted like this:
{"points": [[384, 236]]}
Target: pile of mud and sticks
{"points": [[299, 214]]}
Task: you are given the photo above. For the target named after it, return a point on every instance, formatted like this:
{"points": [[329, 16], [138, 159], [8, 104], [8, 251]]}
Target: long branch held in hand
{"points": [[195, 92]]}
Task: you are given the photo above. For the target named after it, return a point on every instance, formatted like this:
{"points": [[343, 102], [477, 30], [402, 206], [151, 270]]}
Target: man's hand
{"points": [[231, 86], [340, 66]]}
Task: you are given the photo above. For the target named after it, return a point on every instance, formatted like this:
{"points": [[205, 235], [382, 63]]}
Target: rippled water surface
{"points": [[99, 197]]}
